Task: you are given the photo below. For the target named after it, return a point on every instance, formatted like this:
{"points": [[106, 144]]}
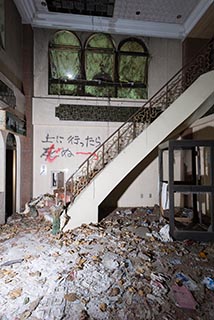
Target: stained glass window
{"points": [[98, 69], [100, 65], [132, 68], [65, 63]]}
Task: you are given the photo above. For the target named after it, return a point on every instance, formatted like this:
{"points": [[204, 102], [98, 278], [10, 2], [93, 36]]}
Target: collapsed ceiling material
{"points": [[83, 7]]}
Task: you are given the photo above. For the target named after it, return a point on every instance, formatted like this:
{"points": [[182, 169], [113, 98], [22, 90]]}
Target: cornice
{"points": [[117, 26], [27, 10], [30, 15], [196, 15]]}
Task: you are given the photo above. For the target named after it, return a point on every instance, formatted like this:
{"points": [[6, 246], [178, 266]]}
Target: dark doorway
{"points": [[10, 175]]}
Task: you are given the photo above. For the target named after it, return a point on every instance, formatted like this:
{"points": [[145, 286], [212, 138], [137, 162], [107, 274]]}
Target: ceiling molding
{"points": [[196, 15], [33, 14], [27, 10], [120, 26]]}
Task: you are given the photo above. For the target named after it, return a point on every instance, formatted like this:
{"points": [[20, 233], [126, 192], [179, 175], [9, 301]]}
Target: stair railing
{"points": [[135, 125]]}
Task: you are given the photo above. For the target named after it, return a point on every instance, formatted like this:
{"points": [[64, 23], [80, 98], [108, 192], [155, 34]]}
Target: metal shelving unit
{"points": [[187, 168]]}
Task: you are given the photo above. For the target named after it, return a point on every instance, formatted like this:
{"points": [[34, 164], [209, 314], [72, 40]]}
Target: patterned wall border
{"points": [[7, 95], [94, 113]]}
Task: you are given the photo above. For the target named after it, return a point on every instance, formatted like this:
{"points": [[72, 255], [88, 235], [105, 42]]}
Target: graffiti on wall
{"points": [[57, 146]]}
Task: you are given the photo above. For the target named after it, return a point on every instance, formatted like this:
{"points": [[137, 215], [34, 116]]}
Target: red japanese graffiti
{"points": [[88, 153], [51, 150]]}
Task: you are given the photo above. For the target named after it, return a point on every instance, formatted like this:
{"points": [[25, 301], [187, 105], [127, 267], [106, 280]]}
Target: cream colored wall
{"points": [[144, 190], [41, 39], [165, 61], [68, 153]]}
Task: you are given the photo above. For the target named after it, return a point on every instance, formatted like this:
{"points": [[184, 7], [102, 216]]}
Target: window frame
{"points": [[60, 81], [131, 84], [82, 82]]}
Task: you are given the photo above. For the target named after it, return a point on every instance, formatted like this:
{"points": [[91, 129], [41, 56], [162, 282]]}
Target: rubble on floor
{"points": [[124, 268], [51, 208], [41, 206]]}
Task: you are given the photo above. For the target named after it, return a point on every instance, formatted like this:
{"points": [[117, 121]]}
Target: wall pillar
{"points": [[27, 142], [2, 177]]}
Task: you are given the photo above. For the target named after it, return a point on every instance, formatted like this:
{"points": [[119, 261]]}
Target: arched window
{"points": [[102, 71], [64, 63], [100, 65], [132, 69]]}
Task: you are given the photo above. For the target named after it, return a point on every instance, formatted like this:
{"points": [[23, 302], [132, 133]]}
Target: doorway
{"points": [[10, 196]]}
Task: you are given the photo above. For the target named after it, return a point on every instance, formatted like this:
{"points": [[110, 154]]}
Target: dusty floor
{"points": [[120, 269]]}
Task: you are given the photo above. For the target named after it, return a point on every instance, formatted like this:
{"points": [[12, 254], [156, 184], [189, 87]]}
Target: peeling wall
{"points": [[165, 61]]}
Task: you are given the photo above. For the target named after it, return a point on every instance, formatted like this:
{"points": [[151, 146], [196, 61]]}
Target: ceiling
{"points": [[155, 18]]}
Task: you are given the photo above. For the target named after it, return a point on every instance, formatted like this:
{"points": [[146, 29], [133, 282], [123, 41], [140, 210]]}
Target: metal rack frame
{"points": [[192, 187]]}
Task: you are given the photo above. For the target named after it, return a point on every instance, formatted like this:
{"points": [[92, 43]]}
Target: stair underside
{"points": [[190, 106]]}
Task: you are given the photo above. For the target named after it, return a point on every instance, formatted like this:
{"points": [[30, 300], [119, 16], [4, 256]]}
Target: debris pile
{"points": [[46, 206], [41, 204], [126, 268]]}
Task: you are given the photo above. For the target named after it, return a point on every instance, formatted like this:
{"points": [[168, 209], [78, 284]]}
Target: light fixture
{"points": [[70, 76]]}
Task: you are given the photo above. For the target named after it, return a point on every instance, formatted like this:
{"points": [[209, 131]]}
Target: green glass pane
{"points": [[64, 64], [99, 66], [63, 89], [65, 38], [132, 68], [99, 91], [136, 93], [100, 41], [132, 46]]}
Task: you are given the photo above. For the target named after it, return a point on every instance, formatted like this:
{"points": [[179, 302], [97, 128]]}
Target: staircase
{"points": [[184, 99]]}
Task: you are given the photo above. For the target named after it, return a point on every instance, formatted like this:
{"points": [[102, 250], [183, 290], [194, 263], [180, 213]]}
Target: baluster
{"points": [[167, 98], [211, 56], [65, 193], [134, 129], [87, 172], [103, 156], [72, 190], [118, 142]]}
